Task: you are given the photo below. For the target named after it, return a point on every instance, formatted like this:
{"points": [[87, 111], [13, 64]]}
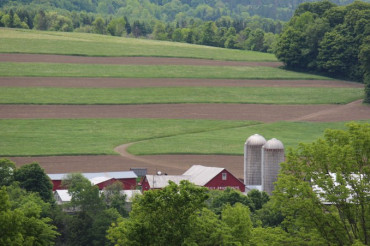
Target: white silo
{"points": [[252, 161], [272, 156]]}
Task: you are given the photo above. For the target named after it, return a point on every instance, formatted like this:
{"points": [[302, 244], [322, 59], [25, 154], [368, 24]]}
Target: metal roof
{"points": [[255, 139], [201, 175], [161, 181], [66, 197], [116, 175], [98, 180], [273, 144], [63, 195]]}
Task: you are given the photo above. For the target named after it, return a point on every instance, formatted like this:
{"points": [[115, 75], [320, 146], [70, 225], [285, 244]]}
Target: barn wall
{"points": [[145, 185], [128, 184], [57, 184], [218, 184], [104, 184]]}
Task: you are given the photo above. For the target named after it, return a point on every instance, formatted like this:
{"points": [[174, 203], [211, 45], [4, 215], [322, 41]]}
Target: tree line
{"points": [[324, 37], [252, 33], [170, 10], [321, 198]]}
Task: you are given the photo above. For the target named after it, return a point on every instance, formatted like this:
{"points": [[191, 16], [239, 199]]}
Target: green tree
{"points": [[209, 33], [208, 229], [238, 220], [323, 187], [84, 195], [220, 198], [117, 27], [114, 198], [40, 21], [7, 168], [32, 177], [91, 218], [160, 217], [21, 223], [365, 61], [258, 198], [99, 25], [159, 31]]}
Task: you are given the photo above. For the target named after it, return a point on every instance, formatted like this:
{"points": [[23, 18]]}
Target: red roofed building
{"points": [[214, 178], [127, 178]]}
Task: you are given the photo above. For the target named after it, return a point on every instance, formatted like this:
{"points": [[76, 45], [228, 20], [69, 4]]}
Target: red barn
{"points": [[214, 178], [127, 178]]}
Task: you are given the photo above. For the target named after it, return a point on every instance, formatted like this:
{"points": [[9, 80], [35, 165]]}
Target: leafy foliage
{"points": [[21, 222], [323, 37], [324, 187], [32, 177]]}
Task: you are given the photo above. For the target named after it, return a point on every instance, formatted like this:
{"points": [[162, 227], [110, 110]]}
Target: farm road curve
{"points": [[172, 164]]}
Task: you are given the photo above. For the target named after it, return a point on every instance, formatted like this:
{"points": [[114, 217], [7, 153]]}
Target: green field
{"points": [[9, 69], [42, 42], [42, 137], [231, 141], [39, 137], [261, 95]]}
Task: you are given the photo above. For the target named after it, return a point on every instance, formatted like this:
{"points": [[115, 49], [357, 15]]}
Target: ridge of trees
{"points": [[251, 33], [170, 10], [326, 38]]}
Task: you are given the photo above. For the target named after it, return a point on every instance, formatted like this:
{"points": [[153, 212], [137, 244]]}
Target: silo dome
{"points": [[273, 144], [252, 160], [255, 139]]}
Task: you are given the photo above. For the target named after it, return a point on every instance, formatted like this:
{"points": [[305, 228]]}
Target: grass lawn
{"points": [[261, 95], [37, 137], [231, 141], [9, 69], [46, 42], [40, 137]]}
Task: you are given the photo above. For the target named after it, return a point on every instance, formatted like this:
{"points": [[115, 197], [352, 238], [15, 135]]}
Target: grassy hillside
{"points": [[10, 69], [261, 95], [25, 137], [84, 44], [39, 137]]}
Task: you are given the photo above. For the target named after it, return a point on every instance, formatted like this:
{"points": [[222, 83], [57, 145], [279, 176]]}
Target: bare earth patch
{"points": [[129, 60], [164, 82], [259, 112], [171, 164]]}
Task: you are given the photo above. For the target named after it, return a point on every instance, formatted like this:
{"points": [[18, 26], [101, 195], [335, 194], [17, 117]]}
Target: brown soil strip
{"points": [[129, 60], [259, 112], [165, 82], [351, 111], [171, 164]]}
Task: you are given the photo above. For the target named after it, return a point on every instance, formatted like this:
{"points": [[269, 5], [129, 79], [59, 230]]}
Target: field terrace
{"points": [[66, 120]]}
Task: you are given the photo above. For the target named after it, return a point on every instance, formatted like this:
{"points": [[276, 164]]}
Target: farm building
{"points": [[214, 178], [262, 162], [63, 197], [127, 178]]}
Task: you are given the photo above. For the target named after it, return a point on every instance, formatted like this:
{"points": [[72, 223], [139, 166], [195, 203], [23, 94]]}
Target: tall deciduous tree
{"points": [[237, 219], [161, 217], [32, 177], [324, 187], [21, 222]]}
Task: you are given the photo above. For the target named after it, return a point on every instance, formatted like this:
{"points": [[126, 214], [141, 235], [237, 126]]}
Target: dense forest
{"points": [[250, 25], [170, 10], [321, 198]]}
